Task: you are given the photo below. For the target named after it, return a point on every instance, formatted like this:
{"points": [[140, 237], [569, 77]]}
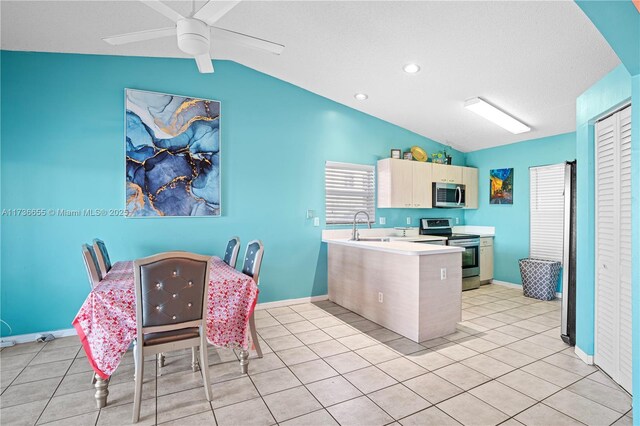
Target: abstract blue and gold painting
{"points": [[173, 155]]}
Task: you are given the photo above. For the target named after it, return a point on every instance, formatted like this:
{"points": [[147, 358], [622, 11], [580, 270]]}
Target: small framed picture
{"points": [[396, 153], [408, 156]]}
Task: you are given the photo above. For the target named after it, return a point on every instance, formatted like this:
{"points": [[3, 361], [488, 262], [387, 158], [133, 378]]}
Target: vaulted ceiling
{"points": [[532, 59]]}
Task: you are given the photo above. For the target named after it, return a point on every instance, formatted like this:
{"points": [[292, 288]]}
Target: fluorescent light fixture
{"points": [[411, 68], [496, 116], [361, 96]]}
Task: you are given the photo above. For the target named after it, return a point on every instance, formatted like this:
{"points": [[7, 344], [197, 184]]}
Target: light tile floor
{"points": [[325, 365]]}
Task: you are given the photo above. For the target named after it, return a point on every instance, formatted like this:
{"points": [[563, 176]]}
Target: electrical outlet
{"points": [[408, 221], [311, 214], [380, 297], [383, 221], [457, 220], [443, 274], [316, 221]]}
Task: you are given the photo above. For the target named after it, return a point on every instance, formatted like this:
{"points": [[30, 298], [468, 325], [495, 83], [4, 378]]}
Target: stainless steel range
{"points": [[471, 243]]}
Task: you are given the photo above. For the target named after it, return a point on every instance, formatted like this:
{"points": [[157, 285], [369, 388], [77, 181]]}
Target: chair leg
{"points": [[138, 355], [204, 367], [254, 335], [194, 359]]}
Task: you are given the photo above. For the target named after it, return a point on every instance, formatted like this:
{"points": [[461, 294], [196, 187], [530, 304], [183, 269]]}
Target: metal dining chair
{"points": [[102, 255], [91, 264], [171, 309], [251, 267], [231, 253]]}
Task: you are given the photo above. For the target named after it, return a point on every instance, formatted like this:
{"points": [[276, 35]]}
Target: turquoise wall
{"points": [[511, 241], [619, 23], [63, 148]]}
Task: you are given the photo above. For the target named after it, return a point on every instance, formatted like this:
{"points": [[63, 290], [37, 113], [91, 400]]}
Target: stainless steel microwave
{"points": [[448, 195]]}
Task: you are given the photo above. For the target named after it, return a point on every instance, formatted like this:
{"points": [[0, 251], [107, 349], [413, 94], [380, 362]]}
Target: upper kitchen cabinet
{"points": [[446, 174], [470, 181], [404, 184]]}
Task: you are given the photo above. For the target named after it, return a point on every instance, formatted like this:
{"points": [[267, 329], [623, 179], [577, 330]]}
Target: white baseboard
{"points": [[588, 359], [507, 284], [25, 338], [518, 286], [289, 302], [31, 337]]}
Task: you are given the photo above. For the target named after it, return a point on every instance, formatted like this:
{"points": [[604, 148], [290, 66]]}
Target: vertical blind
{"points": [[349, 188], [546, 226]]}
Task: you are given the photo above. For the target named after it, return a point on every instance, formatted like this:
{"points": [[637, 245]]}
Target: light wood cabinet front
{"points": [[446, 173], [470, 181], [421, 185], [486, 260], [395, 183], [404, 184]]}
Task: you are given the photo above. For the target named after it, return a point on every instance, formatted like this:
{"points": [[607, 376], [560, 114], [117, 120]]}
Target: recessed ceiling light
{"points": [[496, 116], [361, 96], [411, 68]]}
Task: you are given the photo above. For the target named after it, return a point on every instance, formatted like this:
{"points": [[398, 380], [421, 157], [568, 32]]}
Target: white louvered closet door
{"points": [[613, 247]]}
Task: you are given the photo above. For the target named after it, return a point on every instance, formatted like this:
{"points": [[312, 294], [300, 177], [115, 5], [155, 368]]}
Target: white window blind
{"points": [[546, 226], [349, 188]]}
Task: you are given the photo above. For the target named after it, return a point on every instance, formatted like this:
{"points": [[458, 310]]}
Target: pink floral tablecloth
{"points": [[106, 322]]}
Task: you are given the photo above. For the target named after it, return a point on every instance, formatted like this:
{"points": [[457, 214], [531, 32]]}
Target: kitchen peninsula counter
{"points": [[413, 289]]}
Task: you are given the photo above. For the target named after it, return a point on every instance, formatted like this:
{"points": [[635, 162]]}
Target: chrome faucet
{"points": [[354, 235]]}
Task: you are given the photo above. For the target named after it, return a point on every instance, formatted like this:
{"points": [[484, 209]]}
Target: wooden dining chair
{"points": [[102, 255], [231, 253], [91, 264], [171, 310], [251, 267]]}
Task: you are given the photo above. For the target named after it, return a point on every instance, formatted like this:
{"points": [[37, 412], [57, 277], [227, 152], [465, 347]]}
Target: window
{"points": [[547, 212], [349, 188]]}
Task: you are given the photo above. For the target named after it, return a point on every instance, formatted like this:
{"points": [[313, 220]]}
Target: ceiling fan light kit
{"points": [[193, 36], [194, 33]]}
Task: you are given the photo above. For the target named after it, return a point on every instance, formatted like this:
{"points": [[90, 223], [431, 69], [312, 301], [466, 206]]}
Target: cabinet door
{"points": [[486, 263], [446, 174], [421, 185], [395, 183], [470, 181]]}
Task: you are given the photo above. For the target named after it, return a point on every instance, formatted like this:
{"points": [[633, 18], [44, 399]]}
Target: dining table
{"points": [[106, 322]]}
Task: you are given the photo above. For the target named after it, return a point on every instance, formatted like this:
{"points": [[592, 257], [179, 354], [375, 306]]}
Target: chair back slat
{"points": [[171, 288], [253, 259], [231, 253], [91, 265], [104, 262]]}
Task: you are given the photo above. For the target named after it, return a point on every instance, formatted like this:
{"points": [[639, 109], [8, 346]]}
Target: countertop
{"points": [[398, 247], [483, 231], [418, 238]]}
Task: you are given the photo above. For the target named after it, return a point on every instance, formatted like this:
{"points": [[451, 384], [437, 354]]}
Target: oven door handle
{"points": [[464, 244]]}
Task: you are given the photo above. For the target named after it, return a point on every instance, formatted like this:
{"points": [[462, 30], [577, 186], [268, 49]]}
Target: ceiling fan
{"points": [[195, 32]]}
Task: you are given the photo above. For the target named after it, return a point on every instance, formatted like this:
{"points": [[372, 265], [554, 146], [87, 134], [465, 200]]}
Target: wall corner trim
{"points": [[588, 359]]}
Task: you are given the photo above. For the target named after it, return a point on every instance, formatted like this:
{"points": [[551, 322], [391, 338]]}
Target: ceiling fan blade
{"points": [[214, 10], [140, 36], [163, 9], [204, 63], [247, 40]]}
